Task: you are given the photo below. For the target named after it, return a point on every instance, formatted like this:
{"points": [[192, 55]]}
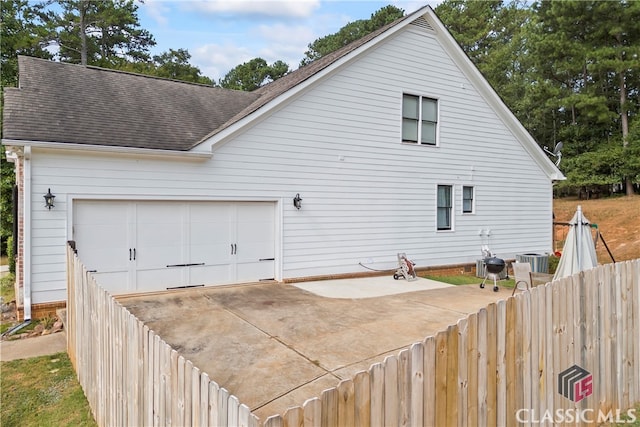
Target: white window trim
{"points": [[473, 201], [418, 142], [453, 207]]}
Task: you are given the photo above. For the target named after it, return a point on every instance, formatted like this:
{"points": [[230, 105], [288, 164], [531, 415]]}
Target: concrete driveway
{"points": [[275, 345]]}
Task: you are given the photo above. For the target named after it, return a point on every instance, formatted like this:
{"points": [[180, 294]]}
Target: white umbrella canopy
{"points": [[579, 252]]}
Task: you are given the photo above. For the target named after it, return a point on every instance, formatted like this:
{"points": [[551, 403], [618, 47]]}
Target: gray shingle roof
{"points": [[59, 102]]}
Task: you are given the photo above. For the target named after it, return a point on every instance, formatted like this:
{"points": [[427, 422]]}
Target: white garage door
{"points": [[147, 246]]}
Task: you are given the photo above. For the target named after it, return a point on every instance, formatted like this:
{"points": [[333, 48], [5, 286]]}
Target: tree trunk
{"points": [[83, 33], [625, 127]]}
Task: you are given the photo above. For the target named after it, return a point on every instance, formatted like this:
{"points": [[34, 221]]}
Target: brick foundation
{"points": [[42, 311]]}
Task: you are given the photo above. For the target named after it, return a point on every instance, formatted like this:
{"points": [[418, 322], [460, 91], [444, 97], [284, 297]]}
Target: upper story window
{"points": [[419, 119], [445, 207], [467, 199]]}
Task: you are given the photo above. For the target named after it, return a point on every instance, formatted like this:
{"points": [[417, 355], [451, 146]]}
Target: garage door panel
{"points": [[101, 232], [159, 235], [210, 275], [256, 232], [159, 256], [158, 280], [254, 271], [228, 239], [158, 224], [115, 282], [255, 251], [211, 254], [109, 253], [210, 233], [206, 233], [100, 212]]}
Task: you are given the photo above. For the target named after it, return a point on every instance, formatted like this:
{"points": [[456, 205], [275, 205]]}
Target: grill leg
{"points": [[495, 283], [483, 281]]}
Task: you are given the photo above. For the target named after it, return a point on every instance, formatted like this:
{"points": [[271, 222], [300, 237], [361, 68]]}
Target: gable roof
{"points": [[58, 102], [88, 105], [67, 103]]}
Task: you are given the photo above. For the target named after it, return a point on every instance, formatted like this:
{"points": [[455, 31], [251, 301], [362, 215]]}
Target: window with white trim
{"points": [[467, 199], [419, 119], [445, 207]]}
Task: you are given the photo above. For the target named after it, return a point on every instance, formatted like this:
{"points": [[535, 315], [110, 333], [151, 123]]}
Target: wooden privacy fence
{"points": [[498, 366], [130, 376]]}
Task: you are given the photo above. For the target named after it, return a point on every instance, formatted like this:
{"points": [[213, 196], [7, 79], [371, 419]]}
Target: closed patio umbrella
{"points": [[579, 252]]}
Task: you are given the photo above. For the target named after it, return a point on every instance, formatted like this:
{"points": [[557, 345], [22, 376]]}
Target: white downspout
{"points": [[26, 244]]}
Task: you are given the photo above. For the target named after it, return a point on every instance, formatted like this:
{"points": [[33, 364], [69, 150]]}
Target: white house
{"points": [[395, 143]]}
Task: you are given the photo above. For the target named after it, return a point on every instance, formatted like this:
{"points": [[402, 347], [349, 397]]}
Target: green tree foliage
{"points": [[96, 32], [351, 32], [173, 64], [494, 36], [631, 153], [569, 71], [591, 51], [253, 74], [22, 33], [7, 180]]}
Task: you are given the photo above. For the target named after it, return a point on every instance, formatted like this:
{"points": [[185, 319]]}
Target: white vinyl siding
{"points": [[366, 196]]}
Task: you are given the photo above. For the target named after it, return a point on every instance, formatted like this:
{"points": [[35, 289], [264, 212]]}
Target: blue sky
{"points": [[220, 34]]}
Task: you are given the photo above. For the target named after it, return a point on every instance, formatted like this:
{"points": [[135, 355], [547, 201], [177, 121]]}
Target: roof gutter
{"points": [[135, 151]]}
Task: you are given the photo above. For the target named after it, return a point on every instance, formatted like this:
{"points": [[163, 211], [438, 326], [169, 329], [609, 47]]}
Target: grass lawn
{"points": [[42, 391], [7, 290], [470, 280]]}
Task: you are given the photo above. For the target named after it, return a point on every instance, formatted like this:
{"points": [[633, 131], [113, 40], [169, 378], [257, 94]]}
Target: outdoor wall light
{"points": [[48, 199], [297, 201]]}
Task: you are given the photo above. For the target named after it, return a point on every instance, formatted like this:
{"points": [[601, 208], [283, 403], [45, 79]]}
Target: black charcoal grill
{"points": [[493, 267]]}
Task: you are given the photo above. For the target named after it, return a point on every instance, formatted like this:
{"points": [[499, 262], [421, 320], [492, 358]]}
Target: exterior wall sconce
{"points": [[48, 199], [297, 201]]}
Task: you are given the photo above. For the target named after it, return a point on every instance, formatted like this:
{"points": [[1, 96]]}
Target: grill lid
{"points": [[494, 265]]}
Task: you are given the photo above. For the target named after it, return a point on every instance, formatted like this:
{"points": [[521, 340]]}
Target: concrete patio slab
{"points": [[370, 287], [275, 345]]}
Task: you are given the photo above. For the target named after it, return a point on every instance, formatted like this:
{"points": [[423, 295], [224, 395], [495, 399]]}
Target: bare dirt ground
{"points": [[618, 219]]}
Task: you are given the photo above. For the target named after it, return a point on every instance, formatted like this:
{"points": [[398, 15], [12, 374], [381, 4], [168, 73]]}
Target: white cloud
{"points": [[272, 8], [215, 60], [156, 11], [221, 34], [283, 42], [276, 42], [281, 33]]}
